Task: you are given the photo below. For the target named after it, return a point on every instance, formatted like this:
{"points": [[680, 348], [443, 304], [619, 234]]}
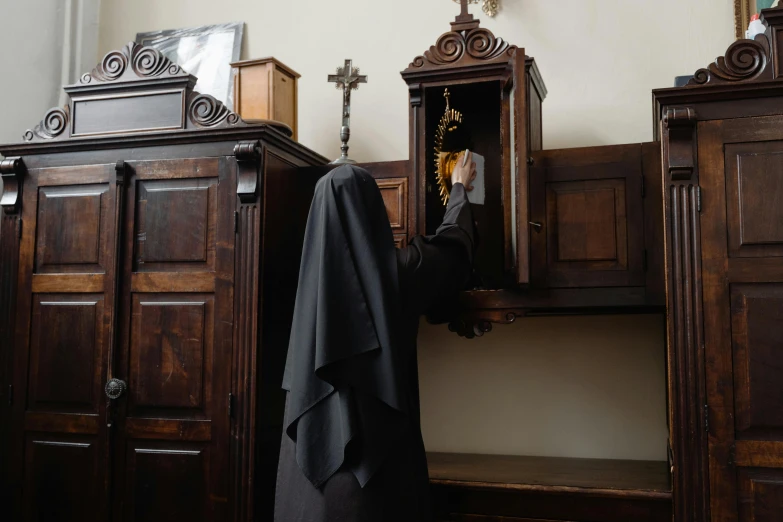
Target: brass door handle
{"points": [[536, 225]]}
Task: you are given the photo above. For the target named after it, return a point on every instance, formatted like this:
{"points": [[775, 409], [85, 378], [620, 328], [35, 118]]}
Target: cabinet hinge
{"points": [[644, 260], [706, 418], [19, 228], [230, 404], [698, 199], [10, 394], [236, 221]]}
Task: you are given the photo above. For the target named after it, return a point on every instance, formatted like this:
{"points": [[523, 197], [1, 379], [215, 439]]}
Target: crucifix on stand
{"points": [[348, 79]]}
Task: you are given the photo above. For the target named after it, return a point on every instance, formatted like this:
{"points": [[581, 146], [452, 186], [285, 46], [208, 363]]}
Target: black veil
{"points": [[347, 401]]}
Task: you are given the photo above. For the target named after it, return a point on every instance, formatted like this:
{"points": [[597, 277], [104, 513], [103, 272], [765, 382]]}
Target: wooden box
{"points": [[265, 89]]}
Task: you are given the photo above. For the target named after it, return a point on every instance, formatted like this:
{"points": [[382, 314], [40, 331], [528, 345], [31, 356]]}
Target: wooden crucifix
{"points": [[349, 79]]}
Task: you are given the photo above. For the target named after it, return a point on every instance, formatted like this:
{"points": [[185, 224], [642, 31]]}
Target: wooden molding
{"points": [[246, 340], [679, 124], [248, 154], [11, 171], [685, 347]]}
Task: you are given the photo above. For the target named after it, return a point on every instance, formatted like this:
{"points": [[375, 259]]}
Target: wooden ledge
{"points": [[596, 477]]}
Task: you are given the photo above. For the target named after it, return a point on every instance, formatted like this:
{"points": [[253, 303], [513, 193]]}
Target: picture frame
{"points": [[206, 52], [744, 9]]}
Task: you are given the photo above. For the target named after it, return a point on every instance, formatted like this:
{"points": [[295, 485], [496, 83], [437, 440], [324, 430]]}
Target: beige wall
{"points": [[589, 386]]}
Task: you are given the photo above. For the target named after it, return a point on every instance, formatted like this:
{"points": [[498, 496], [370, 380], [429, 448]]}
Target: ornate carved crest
{"points": [[133, 62], [53, 124], [471, 45], [139, 74], [745, 60], [207, 111]]}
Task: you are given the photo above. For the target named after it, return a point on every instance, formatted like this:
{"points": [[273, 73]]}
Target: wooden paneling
{"points": [[395, 197], [754, 195], [760, 495], [69, 235], [176, 224], [62, 479], [171, 345], [588, 220], [66, 347], [167, 482], [757, 313]]}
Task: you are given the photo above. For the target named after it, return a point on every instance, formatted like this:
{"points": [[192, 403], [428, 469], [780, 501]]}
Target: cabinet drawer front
{"points": [[395, 197]]}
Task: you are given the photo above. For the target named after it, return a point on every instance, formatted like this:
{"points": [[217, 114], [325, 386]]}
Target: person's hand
{"points": [[464, 171]]}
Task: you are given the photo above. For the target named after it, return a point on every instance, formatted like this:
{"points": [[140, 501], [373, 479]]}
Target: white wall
{"points": [[599, 58], [576, 386], [31, 43], [44, 43]]}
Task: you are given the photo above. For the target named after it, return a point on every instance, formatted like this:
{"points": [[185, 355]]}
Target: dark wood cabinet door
{"points": [[741, 177], [587, 226], [175, 348], [65, 309]]}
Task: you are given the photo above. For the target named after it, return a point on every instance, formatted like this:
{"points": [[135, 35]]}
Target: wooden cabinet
{"points": [[576, 230], [265, 89], [722, 143], [146, 295]]}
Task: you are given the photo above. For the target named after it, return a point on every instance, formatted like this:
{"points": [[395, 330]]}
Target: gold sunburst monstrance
{"points": [[445, 159]]}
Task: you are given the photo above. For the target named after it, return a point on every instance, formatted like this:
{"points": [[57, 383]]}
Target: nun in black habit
{"points": [[352, 448]]}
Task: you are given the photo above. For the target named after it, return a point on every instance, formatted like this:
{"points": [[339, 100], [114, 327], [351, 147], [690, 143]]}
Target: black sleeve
{"points": [[435, 267]]}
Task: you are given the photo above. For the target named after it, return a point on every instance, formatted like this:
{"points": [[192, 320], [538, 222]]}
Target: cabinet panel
{"points": [[170, 349], [66, 347], [588, 222], [69, 235], [176, 225], [167, 482], [62, 479], [757, 312], [754, 197], [395, 196], [760, 495]]}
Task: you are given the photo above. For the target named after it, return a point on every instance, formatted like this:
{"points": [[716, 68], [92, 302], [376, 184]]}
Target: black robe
{"points": [[352, 449]]}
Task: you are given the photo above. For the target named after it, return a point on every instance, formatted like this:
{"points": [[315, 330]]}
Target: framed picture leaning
{"points": [[205, 52]]}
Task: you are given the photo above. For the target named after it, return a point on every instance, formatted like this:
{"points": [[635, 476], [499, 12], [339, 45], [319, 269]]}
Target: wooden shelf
{"points": [[645, 478], [483, 488]]}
